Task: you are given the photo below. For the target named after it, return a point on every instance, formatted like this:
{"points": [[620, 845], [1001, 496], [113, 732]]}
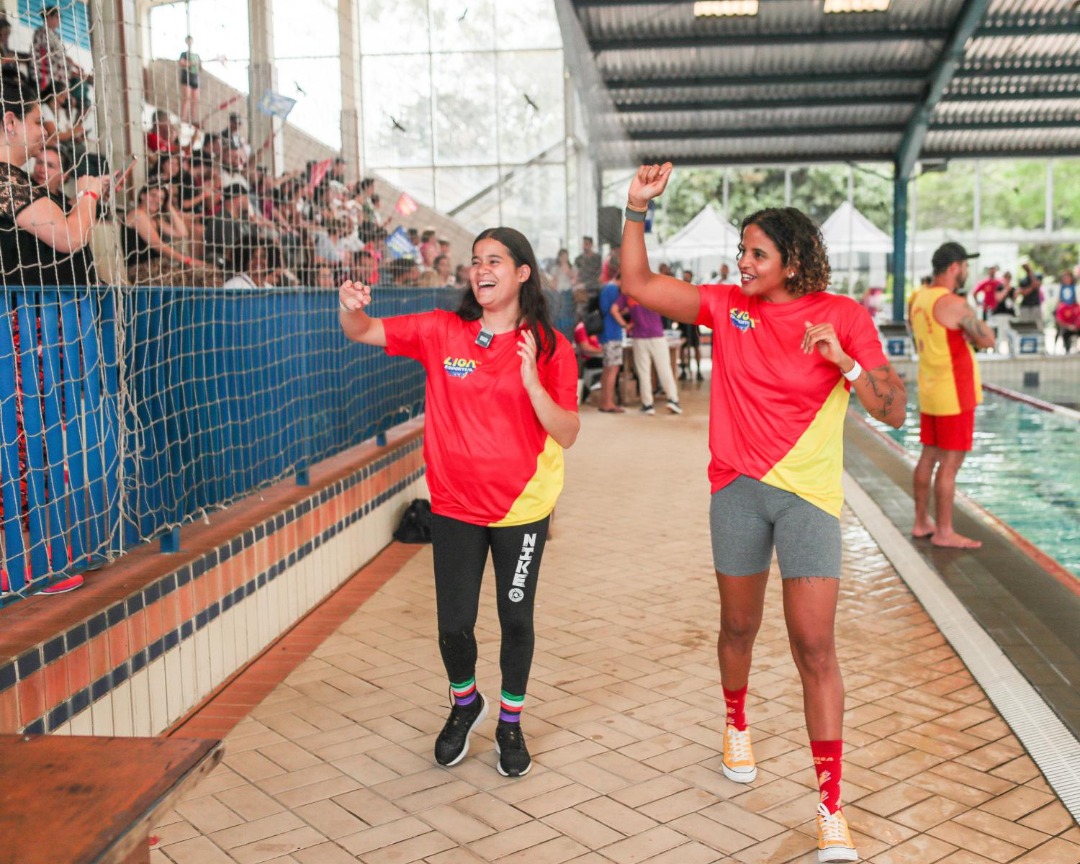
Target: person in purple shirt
{"points": [[651, 349]]}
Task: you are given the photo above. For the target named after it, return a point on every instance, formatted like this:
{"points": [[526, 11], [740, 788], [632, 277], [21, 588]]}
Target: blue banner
{"points": [[276, 105], [400, 246]]}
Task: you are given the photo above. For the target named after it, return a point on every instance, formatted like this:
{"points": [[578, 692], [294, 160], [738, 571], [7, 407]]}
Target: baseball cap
{"points": [[949, 253]]}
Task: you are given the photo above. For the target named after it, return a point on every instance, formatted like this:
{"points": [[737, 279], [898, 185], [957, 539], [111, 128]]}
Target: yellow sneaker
{"points": [[738, 764], [833, 837]]}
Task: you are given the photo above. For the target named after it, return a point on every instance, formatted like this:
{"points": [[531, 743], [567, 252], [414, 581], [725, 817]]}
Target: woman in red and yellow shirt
{"points": [[786, 355], [501, 407]]}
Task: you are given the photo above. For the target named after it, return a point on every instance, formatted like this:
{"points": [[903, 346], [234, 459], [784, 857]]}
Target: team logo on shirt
{"points": [[459, 367], [741, 320]]}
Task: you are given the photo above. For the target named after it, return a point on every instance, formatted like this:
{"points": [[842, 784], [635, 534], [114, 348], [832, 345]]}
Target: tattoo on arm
{"points": [[974, 328], [883, 384]]}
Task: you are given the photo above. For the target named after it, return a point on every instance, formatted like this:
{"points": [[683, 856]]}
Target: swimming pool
{"points": [[1024, 469]]}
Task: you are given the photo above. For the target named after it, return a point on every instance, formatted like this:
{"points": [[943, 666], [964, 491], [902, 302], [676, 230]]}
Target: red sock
{"points": [[828, 756], [736, 707]]}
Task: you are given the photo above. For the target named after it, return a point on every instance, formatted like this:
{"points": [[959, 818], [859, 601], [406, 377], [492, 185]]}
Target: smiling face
{"points": [[763, 273], [494, 277]]}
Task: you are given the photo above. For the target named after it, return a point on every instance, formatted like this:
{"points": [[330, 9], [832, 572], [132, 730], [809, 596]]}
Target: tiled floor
{"points": [[623, 715]]}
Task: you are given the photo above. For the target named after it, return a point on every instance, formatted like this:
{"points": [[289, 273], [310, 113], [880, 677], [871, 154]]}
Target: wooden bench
{"points": [[89, 800]]}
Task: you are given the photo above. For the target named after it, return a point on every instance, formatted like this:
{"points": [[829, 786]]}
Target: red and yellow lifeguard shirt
{"points": [[489, 461], [777, 414], [949, 381]]}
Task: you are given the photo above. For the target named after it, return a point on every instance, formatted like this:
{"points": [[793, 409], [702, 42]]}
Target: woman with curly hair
{"points": [[786, 354]]}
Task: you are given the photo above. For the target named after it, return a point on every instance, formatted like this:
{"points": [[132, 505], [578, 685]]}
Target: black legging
{"points": [[460, 551]]}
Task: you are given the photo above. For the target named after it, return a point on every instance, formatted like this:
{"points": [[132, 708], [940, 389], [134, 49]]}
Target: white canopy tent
{"points": [[704, 243], [857, 247]]}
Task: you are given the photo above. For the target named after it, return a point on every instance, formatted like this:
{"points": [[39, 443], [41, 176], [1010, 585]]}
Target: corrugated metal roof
{"points": [[792, 84]]}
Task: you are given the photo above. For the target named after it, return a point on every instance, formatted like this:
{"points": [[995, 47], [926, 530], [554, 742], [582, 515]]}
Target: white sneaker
{"points": [[674, 407], [834, 838]]}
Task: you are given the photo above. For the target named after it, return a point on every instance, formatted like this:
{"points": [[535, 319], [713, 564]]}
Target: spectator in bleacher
{"points": [[229, 229], [190, 65], [329, 251], [153, 234], [162, 137], [53, 64], [366, 267], [401, 273], [37, 236], [429, 248], [62, 129], [48, 173], [232, 138], [9, 59], [438, 277], [233, 168], [258, 266]]}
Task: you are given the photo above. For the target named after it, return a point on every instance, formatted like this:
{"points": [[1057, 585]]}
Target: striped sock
{"points": [[464, 693], [510, 709]]}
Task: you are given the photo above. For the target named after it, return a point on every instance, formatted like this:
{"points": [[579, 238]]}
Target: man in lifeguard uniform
{"points": [[945, 328]]}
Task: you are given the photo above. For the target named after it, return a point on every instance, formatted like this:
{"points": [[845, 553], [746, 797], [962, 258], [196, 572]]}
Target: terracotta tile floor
{"points": [[623, 715]]}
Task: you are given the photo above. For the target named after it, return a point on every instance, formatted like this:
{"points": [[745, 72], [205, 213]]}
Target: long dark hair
{"points": [[18, 96], [800, 245], [531, 300]]}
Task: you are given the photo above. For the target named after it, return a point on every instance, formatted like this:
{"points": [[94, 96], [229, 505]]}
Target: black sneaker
{"points": [[514, 759], [453, 742]]}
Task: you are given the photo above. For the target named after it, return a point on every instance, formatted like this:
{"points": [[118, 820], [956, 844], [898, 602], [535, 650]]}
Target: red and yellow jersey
{"points": [[489, 460], [777, 414], [949, 381]]}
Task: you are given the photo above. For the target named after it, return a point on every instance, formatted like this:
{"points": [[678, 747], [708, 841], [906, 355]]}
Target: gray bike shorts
{"points": [[749, 518]]}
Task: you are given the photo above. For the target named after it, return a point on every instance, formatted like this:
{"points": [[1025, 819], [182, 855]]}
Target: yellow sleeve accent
{"points": [[812, 468], [538, 498]]}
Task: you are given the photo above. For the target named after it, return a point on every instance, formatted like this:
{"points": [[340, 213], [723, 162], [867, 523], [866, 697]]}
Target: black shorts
{"points": [[191, 81], [691, 334]]}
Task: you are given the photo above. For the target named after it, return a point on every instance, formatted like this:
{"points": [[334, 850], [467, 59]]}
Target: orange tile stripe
{"points": [[233, 700]]}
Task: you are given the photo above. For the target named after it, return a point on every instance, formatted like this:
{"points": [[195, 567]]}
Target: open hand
{"points": [[526, 350]]}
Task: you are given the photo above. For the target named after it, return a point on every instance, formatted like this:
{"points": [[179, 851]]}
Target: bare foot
{"points": [[923, 530], [953, 540]]}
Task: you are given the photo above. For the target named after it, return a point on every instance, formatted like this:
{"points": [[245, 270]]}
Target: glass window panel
{"points": [[418, 182], [534, 202], [318, 107], [462, 25], [393, 26], [479, 214], [465, 118], [530, 103], [455, 186], [397, 110], [945, 199], [220, 31], [527, 24], [1066, 200], [1013, 193]]}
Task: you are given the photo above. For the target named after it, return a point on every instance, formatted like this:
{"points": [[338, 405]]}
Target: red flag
{"points": [[318, 171], [405, 205]]}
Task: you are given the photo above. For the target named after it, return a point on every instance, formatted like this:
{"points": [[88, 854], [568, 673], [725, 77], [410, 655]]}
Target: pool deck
{"points": [[329, 735]]}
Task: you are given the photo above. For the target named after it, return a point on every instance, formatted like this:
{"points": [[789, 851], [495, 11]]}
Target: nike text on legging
{"points": [[460, 551]]}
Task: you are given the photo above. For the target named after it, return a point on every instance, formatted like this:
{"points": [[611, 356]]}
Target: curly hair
{"points": [[800, 245]]}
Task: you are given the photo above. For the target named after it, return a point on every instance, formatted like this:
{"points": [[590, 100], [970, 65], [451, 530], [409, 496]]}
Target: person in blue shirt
{"points": [[611, 339]]}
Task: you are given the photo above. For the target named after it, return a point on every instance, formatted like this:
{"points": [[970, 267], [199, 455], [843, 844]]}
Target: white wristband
{"points": [[344, 308], [853, 373]]}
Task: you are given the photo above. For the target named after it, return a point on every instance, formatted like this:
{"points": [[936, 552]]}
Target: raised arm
{"points": [[353, 298], [671, 297]]}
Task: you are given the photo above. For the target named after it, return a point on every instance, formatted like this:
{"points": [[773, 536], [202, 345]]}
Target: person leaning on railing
{"points": [[35, 232], [152, 231]]}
